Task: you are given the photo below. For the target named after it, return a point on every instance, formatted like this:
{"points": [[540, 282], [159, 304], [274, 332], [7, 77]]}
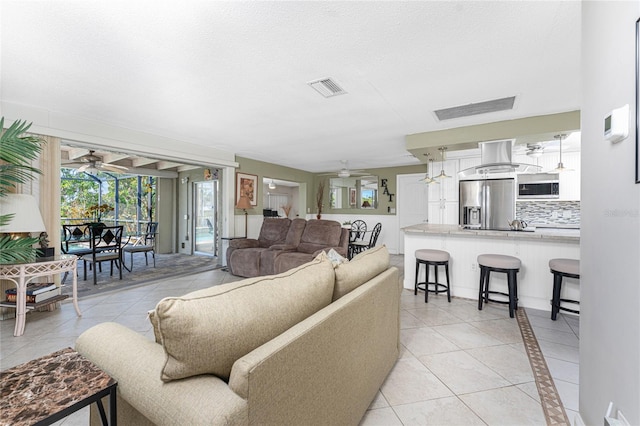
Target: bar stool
{"points": [[562, 268], [434, 258], [499, 263]]}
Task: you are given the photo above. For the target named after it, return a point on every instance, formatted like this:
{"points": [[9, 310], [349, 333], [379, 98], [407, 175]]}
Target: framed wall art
{"points": [[246, 186], [352, 196]]}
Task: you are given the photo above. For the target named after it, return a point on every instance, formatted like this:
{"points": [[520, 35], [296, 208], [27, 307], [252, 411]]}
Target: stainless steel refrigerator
{"points": [[487, 203]]}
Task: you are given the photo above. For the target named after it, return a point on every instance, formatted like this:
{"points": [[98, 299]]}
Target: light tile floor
{"points": [[458, 365]]}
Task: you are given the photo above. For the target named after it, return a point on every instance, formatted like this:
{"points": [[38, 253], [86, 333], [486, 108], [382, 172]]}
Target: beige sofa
{"points": [[309, 346]]}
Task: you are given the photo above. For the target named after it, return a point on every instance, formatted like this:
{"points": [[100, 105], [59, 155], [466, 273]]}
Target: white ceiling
{"points": [[233, 75]]}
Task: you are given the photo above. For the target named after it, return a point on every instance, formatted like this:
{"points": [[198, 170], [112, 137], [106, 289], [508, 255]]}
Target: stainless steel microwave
{"points": [[539, 185]]}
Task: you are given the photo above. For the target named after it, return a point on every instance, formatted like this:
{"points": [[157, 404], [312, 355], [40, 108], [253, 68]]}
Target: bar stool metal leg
{"points": [[426, 282], [481, 288], [557, 288], [446, 271]]}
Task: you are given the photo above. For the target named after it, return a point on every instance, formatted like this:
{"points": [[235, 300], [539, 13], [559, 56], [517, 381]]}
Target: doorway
{"points": [[205, 218], [412, 203]]}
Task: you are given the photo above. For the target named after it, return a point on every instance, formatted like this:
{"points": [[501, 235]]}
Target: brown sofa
{"points": [[248, 250], [284, 244], [318, 235]]}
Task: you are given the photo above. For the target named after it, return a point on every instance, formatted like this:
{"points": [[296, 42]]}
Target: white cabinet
{"points": [[548, 162], [468, 162], [443, 197], [570, 180]]}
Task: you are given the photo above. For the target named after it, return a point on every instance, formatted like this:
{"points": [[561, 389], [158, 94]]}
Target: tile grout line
{"points": [[549, 397]]}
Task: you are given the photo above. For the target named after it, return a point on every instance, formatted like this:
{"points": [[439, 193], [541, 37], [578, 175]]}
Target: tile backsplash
{"points": [[549, 213]]}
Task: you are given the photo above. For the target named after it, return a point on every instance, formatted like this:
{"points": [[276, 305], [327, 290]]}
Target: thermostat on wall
{"points": [[616, 124]]}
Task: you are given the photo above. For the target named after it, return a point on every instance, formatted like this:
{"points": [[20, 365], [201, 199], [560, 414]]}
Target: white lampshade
{"points": [[27, 217]]}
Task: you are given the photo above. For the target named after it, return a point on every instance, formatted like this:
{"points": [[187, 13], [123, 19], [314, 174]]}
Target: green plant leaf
{"points": [[17, 151], [17, 250]]}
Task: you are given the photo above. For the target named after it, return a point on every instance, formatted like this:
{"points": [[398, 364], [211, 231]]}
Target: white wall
{"points": [[610, 235]]}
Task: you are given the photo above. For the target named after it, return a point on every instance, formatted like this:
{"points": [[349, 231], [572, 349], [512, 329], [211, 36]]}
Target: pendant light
{"points": [[428, 180], [561, 167], [272, 185], [442, 174]]}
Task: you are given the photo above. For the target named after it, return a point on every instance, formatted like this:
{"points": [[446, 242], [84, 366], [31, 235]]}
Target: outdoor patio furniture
{"points": [[106, 246], [145, 244], [76, 239]]}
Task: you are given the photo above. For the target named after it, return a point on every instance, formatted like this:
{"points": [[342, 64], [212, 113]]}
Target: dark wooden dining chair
{"points": [[146, 245], [106, 246], [360, 246]]}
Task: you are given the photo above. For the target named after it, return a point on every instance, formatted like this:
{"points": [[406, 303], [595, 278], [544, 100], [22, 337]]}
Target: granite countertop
{"points": [[538, 233]]}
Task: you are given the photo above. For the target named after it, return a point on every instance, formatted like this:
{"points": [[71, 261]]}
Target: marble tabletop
{"points": [[37, 389]]}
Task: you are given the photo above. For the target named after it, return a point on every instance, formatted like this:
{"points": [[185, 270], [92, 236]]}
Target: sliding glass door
{"points": [[205, 217]]}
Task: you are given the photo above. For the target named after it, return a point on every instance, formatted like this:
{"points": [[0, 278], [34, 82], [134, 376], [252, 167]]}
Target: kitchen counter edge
{"points": [[539, 233]]}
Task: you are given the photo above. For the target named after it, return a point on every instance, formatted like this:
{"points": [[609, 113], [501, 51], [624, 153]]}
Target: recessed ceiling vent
{"points": [[327, 87], [475, 109]]}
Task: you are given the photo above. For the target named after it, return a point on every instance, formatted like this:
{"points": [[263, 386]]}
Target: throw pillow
{"points": [[359, 270], [335, 258], [206, 331]]}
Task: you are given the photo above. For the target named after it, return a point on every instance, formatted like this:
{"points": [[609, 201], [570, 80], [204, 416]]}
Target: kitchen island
{"points": [[533, 248]]}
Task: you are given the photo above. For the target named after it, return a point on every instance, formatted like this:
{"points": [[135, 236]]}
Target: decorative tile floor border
{"points": [[549, 397]]}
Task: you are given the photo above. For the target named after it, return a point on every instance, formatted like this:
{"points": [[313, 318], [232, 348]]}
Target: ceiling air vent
{"points": [[327, 87], [475, 109]]}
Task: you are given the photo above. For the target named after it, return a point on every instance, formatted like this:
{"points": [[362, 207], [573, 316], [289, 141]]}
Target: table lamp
{"points": [[244, 203], [26, 216]]}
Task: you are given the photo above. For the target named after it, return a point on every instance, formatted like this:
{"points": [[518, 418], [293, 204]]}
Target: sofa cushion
{"points": [[295, 232], [359, 270], [246, 262], [273, 231], [206, 331], [320, 234]]}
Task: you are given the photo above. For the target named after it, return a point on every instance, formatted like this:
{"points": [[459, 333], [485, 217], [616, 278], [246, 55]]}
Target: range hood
{"points": [[496, 158]]}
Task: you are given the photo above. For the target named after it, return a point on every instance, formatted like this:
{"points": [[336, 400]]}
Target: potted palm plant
{"points": [[17, 150]]}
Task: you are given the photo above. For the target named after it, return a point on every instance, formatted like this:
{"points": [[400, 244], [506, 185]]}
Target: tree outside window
{"points": [[83, 194]]}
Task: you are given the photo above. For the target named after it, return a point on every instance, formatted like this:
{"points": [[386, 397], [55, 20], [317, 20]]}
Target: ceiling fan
{"points": [[344, 172], [93, 163], [535, 149]]}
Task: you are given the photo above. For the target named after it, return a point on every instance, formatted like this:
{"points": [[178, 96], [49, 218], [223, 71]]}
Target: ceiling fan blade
{"points": [[84, 167], [72, 164], [113, 168]]}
